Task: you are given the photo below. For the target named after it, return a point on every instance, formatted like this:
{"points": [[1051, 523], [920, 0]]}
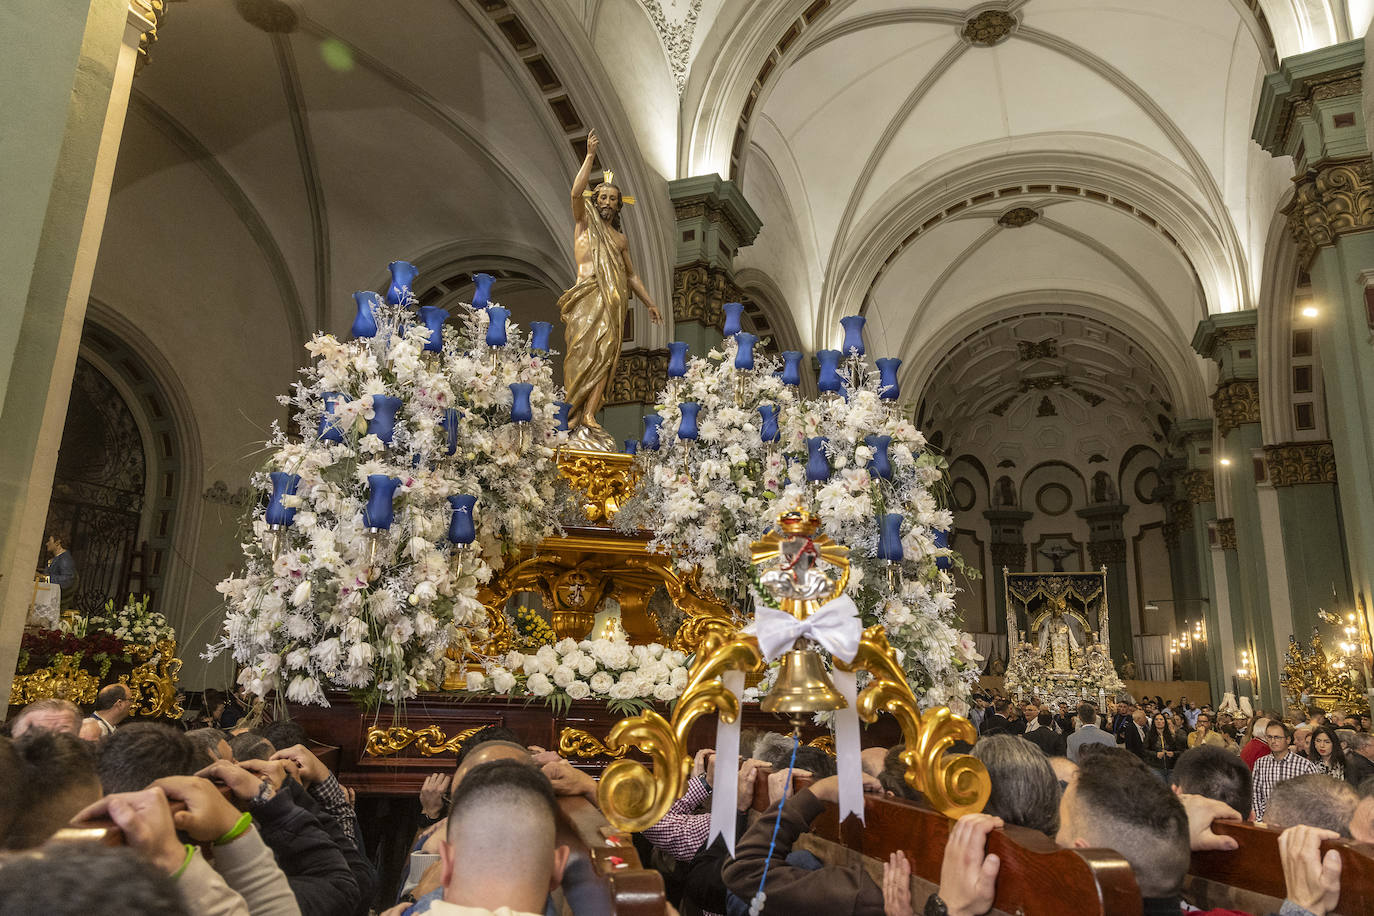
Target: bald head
{"points": [[52, 715]]}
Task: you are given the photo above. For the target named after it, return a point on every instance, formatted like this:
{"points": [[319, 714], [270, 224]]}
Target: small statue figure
{"points": [[1004, 497], [1104, 491], [999, 667], [594, 310]]}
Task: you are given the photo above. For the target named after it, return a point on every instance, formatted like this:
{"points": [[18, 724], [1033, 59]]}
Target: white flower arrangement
{"points": [[337, 605], [625, 677], [707, 500], [134, 622]]}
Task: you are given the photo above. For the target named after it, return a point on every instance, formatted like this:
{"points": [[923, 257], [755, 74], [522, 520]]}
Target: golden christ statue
{"points": [[593, 311]]}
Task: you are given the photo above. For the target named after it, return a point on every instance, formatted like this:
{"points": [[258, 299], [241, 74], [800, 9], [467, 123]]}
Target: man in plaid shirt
{"points": [[1281, 764]]}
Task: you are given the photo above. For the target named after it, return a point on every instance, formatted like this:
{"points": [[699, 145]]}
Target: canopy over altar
{"points": [[1058, 626]]}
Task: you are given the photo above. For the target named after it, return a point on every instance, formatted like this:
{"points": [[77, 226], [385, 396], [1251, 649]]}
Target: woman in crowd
{"points": [[1162, 746], [1179, 724], [1325, 751]]}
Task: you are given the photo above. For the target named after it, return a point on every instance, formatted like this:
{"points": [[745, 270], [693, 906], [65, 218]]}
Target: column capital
{"points": [[1223, 532], [714, 220], [1296, 102], [1228, 339], [1292, 463], [639, 376], [1236, 404], [1199, 486]]}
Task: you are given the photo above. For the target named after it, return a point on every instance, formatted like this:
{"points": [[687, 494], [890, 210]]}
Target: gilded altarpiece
{"points": [[1056, 623]]}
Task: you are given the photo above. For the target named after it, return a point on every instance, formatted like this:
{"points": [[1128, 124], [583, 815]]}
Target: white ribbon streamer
{"points": [[848, 765], [835, 625], [725, 790]]}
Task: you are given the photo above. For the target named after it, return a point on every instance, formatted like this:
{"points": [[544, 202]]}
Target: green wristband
{"points": [[190, 852], [239, 829]]}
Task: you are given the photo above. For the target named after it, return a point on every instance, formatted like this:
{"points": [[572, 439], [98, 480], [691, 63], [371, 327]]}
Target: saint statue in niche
{"points": [[1004, 496], [594, 310], [1104, 491]]}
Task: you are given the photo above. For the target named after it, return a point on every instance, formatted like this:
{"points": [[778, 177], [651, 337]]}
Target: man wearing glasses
{"points": [[1281, 764]]}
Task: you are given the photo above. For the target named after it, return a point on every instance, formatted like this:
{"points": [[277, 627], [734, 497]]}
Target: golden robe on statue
{"points": [[593, 314]]}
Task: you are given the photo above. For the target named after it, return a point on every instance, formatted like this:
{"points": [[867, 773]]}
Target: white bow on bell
{"points": [[835, 625]]}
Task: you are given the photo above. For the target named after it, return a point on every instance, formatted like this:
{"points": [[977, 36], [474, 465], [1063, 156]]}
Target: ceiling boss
{"points": [[594, 310]]}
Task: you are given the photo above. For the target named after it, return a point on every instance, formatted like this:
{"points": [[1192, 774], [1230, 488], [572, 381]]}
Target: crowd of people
{"points": [[240, 820]]}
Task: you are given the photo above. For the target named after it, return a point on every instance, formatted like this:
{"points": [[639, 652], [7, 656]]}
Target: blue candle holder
{"points": [[768, 432], [365, 322], [539, 336], [461, 529], [631, 447], [450, 425], [817, 464], [380, 511], [283, 484], [329, 430], [853, 335], [791, 368], [564, 409], [520, 409], [888, 389], [383, 422], [879, 465], [433, 318], [744, 356], [482, 294], [890, 538], [496, 328], [677, 359], [942, 542], [687, 427], [830, 381], [733, 311], [650, 439], [403, 274]]}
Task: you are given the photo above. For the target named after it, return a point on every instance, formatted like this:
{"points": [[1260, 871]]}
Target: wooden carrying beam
{"points": [[629, 888], [1037, 878], [1237, 879]]}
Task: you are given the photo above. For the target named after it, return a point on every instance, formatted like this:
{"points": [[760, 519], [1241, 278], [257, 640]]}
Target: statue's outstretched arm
{"points": [[636, 287], [579, 205]]}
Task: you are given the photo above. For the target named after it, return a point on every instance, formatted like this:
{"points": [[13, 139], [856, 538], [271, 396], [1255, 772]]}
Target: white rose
{"points": [[563, 676], [602, 682], [665, 692], [475, 681], [586, 666], [621, 691], [502, 681], [578, 690], [538, 684]]}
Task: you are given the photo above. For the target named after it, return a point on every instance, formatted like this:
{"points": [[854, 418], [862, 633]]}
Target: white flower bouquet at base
{"points": [[627, 678]]}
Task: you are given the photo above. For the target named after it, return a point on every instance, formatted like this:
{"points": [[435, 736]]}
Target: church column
{"points": [[1195, 498], [1107, 548], [1008, 553], [1229, 340], [69, 86], [714, 221], [1312, 109], [1187, 589], [1303, 478]]}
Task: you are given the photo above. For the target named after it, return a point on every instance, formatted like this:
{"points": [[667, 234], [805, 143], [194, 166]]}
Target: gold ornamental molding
{"points": [[1199, 486], [1236, 403], [639, 376], [1332, 199], [988, 28], [429, 741], [152, 682], [1178, 520], [1107, 553], [574, 742], [1300, 462], [153, 12], [1341, 83], [700, 292], [1226, 533], [605, 480]]}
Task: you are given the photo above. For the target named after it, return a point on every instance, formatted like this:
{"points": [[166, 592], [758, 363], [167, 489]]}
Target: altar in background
{"points": [[1057, 624]]}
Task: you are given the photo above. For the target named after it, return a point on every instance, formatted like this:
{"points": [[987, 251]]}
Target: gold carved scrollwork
{"points": [[1300, 462], [1235, 404], [632, 797], [65, 679], [699, 293], [1332, 199], [1226, 533], [153, 11], [608, 480], [152, 682], [989, 27], [574, 742], [639, 375], [1200, 486], [429, 741], [955, 784]]}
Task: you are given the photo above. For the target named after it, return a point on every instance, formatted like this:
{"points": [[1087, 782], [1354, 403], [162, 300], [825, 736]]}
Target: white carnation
{"points": [[538, 684]]}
